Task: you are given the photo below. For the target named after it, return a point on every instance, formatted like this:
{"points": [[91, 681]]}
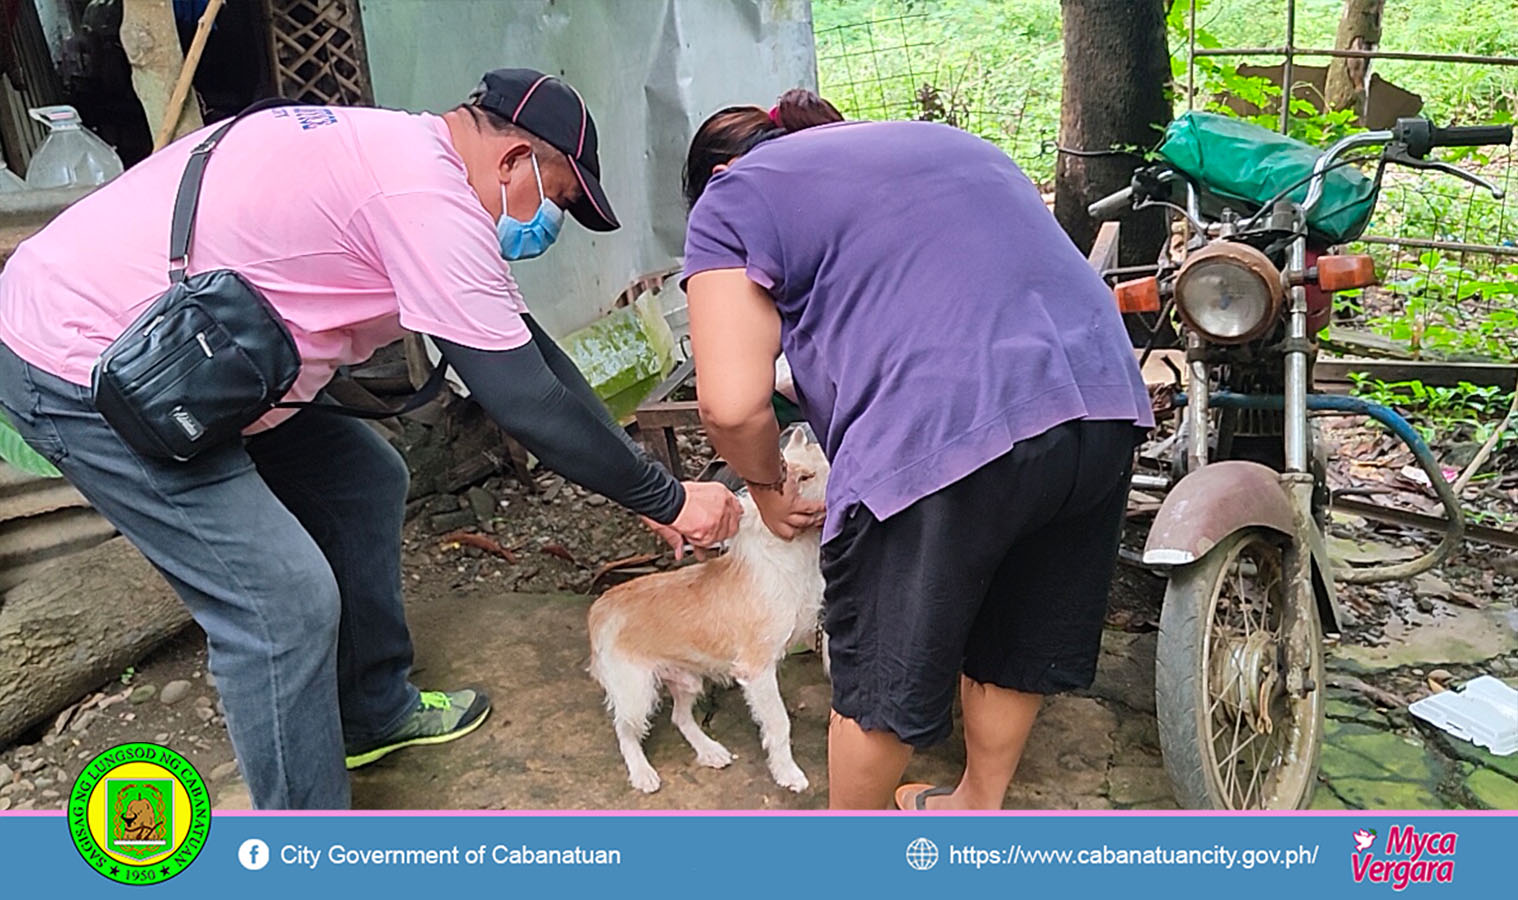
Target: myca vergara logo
{"points": [[139, 813], [1407, 858]]}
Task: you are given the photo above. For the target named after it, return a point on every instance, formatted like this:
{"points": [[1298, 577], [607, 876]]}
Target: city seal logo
{"points": [[142, 815], [139, 813]]}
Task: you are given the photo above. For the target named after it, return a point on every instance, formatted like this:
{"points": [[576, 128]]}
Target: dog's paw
{"points": [[644, 779], [715, 756], [789, 775]]}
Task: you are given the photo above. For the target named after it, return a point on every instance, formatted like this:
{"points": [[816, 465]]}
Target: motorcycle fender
{"points": [[1221, 498], [1212, 503]]}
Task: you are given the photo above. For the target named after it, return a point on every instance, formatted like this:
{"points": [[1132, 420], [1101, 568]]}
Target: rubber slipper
{"points": [[918, 795]]}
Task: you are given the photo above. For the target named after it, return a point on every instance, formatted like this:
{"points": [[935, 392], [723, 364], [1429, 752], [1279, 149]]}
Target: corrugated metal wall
{"points": [[29, 80]]}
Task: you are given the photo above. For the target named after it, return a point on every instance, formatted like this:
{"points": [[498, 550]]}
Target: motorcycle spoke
{"points": [[1217, 700], [1238, 749], [1279, 614], [1255, 778], [1219, 650], [1242, 658], [1247, 603], [1238, 722], [1222, 630], [1231, 605]]}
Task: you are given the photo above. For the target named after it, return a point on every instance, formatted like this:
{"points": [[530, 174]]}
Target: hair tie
{"points": [[775, 115]]}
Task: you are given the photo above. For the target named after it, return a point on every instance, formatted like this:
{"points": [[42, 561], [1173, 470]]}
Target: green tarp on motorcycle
{"points": [[1242, 162]]}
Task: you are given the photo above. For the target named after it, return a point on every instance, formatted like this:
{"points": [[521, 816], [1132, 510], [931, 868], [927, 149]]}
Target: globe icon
{"points": [[922, 854]]}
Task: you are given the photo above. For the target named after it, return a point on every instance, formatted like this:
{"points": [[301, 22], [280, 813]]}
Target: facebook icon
{"points": [[253, 854]]}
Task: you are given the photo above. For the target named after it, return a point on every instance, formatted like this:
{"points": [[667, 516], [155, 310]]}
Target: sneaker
{"points": [[440, 717]]}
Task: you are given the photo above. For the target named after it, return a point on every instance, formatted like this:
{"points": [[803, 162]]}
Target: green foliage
{"points": [[1435, 314], [1463, 412], [1219, 78], [1451, 93]]}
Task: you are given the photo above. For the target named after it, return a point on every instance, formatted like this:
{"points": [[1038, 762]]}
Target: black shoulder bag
{"points": [[211, 355]]}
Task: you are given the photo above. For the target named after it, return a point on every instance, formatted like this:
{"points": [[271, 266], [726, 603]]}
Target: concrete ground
{"points": [[549, 742]]}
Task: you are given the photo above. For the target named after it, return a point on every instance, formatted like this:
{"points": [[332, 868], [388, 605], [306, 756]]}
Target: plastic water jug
{"points": [[71, 156], [10, 182]]}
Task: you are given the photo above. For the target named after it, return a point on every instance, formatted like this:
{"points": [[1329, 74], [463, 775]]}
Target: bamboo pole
{"points": [[186, 75], [1486, 449]]}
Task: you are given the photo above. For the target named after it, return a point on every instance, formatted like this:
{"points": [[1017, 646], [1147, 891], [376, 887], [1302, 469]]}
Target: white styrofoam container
{"points": [[1485, 713]]}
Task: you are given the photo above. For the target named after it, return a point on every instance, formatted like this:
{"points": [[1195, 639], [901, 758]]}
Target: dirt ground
{"points": [[516, 627], [549, 744]]}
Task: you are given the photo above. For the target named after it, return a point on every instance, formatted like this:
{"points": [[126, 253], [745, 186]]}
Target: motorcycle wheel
{"points": [[1231, 650]]}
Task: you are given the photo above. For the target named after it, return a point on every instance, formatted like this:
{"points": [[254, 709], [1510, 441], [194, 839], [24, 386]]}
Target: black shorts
{"points": [[1002, 575]]}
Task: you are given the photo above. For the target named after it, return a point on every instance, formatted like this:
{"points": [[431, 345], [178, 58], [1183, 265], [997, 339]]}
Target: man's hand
{"points": [[784, 511], [710, 516]]}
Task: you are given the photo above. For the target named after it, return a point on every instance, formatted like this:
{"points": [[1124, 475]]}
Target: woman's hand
{"points": [[784, 511], [709, 517]]}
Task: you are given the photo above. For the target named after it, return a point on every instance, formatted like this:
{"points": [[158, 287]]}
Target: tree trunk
{"points": [[1348, 79], [1117, 65], [75, 625], [150, 38]]}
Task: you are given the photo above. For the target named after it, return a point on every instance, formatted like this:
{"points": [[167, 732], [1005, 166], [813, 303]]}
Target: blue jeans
{"points": [[286, 547]]}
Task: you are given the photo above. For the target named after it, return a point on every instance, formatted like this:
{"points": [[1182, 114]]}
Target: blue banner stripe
{"points": [[736, 856]]}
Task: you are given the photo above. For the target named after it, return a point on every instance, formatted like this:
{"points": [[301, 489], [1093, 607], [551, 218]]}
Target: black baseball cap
{"points": [[555, 112]]}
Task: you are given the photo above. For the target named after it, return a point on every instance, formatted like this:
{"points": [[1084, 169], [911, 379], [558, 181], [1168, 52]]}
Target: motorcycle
{"points": [[1240, 535]]}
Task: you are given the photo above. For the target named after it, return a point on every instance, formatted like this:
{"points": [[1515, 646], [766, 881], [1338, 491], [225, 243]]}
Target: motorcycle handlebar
{"points": [[1111, 206], [1474, 136], [1421, 136]]}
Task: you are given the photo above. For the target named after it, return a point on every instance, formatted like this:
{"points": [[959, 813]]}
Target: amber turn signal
{"points": [[1342, 273], [1139, 295]]}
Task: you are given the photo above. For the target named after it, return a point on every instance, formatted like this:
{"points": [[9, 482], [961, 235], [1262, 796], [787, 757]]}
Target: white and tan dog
{"points": [[728, 619]]}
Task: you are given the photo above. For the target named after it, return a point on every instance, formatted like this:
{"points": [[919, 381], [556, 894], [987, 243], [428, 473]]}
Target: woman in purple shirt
{"points": [[973, 386]]}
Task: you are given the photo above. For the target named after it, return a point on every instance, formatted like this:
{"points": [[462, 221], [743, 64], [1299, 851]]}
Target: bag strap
{"points": [[424, 395], [187, 200], [182, 231]]}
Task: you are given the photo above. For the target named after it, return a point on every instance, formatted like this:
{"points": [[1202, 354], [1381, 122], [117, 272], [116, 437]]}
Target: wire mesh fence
{"points": [[1449, 261], [904, 68]]}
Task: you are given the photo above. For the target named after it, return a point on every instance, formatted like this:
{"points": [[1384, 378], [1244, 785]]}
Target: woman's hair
{"points": [[736, 130]]}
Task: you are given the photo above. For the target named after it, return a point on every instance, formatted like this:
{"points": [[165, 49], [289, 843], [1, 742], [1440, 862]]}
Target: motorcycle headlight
{"points": [[1229, 293]]}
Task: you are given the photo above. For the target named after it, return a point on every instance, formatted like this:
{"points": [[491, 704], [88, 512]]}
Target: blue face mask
{"points": [[525, 240]]}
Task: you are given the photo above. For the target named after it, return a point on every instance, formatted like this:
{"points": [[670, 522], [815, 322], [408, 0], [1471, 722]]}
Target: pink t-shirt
{"points": [[356, 224]]}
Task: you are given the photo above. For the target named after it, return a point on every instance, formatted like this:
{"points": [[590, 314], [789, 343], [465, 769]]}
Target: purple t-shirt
{"points": [[932, 311]]}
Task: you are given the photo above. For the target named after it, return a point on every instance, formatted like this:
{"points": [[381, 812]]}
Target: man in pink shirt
{"points": [[358, 225]]}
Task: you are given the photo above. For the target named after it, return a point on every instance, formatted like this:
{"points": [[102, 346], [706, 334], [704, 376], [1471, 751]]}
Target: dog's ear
{"points": [[797, 441]]}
